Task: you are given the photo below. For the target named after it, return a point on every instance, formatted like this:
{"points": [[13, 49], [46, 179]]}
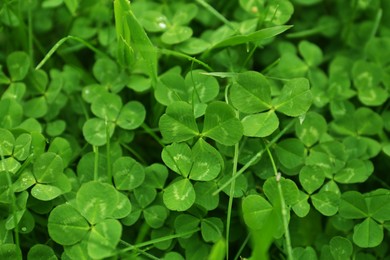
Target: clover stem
{"points": [[13, 198], [255, 157], [108, 153], [96, 163], [152, 134], [231, 195], [285, 210]]}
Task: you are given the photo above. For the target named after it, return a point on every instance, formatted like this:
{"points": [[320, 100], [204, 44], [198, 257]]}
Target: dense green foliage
{"points": [[194, 129]]}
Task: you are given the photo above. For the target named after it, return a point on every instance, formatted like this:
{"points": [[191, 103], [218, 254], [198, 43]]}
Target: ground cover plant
{"points": [[245, 129]]}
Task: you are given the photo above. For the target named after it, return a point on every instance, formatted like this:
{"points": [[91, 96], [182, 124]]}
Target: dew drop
{"points": [[162, 25]]}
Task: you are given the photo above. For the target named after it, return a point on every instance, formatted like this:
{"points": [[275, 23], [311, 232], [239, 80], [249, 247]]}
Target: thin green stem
{"points": [[219, 16], [13, 198], [96, 163], [182, 55], [30, 33], [377, 21], [157, 240], [255, 157], [231, 196], [238, 254], [136, 155], [62, 41], [142, 233], [233, 184], [283, 206], [152, 134], [108, 152]]}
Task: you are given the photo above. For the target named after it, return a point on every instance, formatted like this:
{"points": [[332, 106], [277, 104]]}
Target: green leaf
{"points": [[103, 238], [105, 71], [257, 36], [218, 250], [311, 53], [66, 225], [18, 64], [326, 202], [162, 233], [12, 113], [145, 195], [9, 165], [7, 142], [260, 125], [185, 223], [302, 206], [355, 171], [178, 157], [221, 124], [341, 248], [95, 131], [367, 121], [291, 153], [40, 251], [176, 34], [373, 96], [79, 251], [378, 204], [353, 205], [179, 195], [45, 192], [203, 198], [201, 88], [311, 178], [131, 116], [307, 253], [141, 43], [251, 92], [256, 210], [366, 74], [279, 12], [211, 229], [154, 21], [15, 90], [155, 216], [178, 123], [193, 46], [47, 166], [107, 106], [96, 201], [289, 189], [368, 234], [36, 107], [128, 173], [207, 162], [122, 208], [311, 129], [295, 98], [25, 181], [10, 251]]}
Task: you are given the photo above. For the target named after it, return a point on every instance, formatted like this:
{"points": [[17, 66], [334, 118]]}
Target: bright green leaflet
{"points": [[178, 123], [295, 98], [66, 225], [103, 238], [179, 195], [256, 210], [96, 201], [221, 124], [260, 125], [128, 174], [40, 251], [251, 92]]}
